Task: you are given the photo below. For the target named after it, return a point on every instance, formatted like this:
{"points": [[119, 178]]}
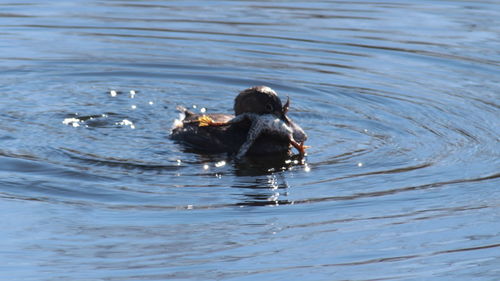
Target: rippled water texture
{"points": [[400, 100]]}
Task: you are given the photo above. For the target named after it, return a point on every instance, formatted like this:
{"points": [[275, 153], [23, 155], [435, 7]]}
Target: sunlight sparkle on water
{"points": [[220, 164], [273, 182], [126, 122], [75, 122], [414, 111], [307, 168]]}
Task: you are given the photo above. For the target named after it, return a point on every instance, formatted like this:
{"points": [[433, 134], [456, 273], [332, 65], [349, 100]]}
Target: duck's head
{"points": [[264, 100], [259, 100]]}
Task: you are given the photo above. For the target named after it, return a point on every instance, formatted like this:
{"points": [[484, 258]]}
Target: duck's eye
{"points": [[269, 107]]}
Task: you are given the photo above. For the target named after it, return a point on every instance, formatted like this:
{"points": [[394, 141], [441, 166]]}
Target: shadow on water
{"points": [[264, 165]]}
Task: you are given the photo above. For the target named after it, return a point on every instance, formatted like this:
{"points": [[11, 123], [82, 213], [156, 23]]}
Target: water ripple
{"points": [[400, 102]]}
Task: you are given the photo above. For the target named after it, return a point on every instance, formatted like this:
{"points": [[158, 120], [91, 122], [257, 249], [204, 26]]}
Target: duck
{"points": [[260, 125]]}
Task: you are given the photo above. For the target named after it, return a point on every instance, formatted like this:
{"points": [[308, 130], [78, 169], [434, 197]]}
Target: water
{"points": [[400, 101]]}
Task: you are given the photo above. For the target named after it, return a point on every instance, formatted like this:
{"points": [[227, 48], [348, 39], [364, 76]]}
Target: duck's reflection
{"points": [[265, 165], [265, 190], [261, 181]]}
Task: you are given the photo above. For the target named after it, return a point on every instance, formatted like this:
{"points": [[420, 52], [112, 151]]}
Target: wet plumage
{"points": [[260, 126]]}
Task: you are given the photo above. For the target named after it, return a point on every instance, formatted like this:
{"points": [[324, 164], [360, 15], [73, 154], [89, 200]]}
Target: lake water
{"points": [[400, 100]]}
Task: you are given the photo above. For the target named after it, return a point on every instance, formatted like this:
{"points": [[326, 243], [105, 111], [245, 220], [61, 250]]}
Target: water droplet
{"points": [[75, 122], [203, 110], [132, 93], [113, 93], [126, 122], [307, 168], [220, 164], [205, 167], [360, 164]]}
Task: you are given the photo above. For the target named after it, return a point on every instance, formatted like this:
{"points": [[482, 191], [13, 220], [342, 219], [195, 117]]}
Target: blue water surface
{"points": [[400, 100]]}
